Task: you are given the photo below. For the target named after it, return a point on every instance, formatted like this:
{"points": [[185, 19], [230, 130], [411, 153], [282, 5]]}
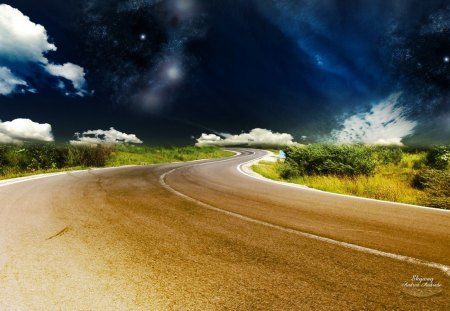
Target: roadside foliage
{"points": [[409, 175], [27, 159]]}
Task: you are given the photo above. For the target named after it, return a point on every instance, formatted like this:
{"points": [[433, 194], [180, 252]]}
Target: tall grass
{"points": [[383, 185], [130, 154], [391, 178], [29, 159], [20, 160]]}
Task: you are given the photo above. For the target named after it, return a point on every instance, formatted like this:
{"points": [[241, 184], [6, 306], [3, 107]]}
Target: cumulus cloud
{"points": [[255, 137], [21, 39], [9, 83], [385, 123], [111, 136], [209, 138], [71, 72], [22, 130], [23, 48]]}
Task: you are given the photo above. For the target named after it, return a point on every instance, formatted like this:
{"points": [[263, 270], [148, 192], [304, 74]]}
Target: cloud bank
{"points": [[384, 124], [256, 137], [23, 49], [111, 136], [24, 130]]}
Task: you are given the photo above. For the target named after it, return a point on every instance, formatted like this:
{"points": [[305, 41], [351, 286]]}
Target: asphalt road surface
{"points": [[207, 236]]}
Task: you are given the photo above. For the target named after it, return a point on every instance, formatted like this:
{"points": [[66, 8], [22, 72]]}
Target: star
{"points": [[142, 36], [446, 59]]}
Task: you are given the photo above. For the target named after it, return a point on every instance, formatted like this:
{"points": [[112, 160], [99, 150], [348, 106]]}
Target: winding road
{"points": [[210, 235]]}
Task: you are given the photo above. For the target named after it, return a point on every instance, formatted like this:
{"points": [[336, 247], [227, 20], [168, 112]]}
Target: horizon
{"points": [[168, 72]]}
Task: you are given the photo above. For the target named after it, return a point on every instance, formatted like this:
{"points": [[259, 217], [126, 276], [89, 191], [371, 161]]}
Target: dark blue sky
{"points": [[170, 69]]}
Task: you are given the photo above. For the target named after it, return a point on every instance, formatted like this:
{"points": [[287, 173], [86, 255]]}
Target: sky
{"points": [[179, 72]]}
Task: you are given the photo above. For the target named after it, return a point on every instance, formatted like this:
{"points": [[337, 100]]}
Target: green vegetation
{"points": [[30, 159], [436, 184], [339, 160], [385, 173], [439, 158], [130, 154]]}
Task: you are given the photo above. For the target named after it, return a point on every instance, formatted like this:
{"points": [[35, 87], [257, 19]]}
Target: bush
{"points": [[3, 159], [16, 159], [439, 157], [88, 155], [389, 155], [424, 179], [419, 164], [341, 160], [436, 184], [288, 170], [48, 156]]}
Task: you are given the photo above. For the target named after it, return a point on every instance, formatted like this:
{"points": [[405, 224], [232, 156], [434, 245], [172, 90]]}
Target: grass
{"points": [[390, 182], [21, 161], [8, 174], [268, 170], [130, 155]]}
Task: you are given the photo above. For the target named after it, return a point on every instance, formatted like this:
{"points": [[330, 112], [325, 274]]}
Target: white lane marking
{"points": [[48, 175], [9, 183], [6, 182], [445, 269], [244, 168]]}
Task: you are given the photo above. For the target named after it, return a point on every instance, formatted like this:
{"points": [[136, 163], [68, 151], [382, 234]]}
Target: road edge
{"points": [[245, 168], [18, 180], [411, 260]]}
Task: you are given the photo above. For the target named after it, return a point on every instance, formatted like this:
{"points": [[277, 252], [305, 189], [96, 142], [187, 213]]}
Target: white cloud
{"points": [[384, 124], [24, 44], [20, 39], [255, 137], [9, 83], [71, 72], [20, 130], [111, 136], [209, 138]]}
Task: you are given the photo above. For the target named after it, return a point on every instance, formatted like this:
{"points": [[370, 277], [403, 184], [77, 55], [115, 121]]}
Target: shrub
{"points": [[439, 157], [16, 159], [44, 156], [436, 184], [341, 160], [19, 159], [419, 164], [288, 170], [424, 179], [88, 155], [3, 159], [389, 155]]}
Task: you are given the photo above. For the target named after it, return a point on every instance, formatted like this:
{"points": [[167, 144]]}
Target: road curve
{"points": [[204, 236]]}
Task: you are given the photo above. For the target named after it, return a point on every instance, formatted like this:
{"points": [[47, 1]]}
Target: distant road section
{"points": [[206, 236]]}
